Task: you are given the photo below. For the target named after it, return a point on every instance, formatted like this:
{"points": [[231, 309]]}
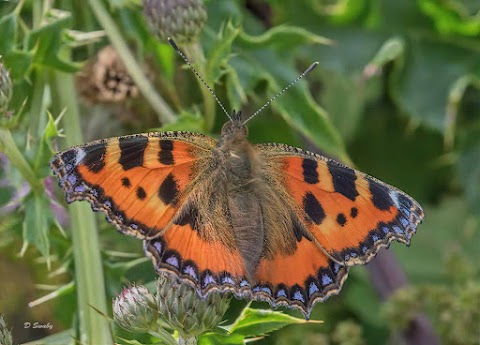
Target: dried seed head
{"points": [[135, 309], [105, 79], [184, 310], [183, 20]]}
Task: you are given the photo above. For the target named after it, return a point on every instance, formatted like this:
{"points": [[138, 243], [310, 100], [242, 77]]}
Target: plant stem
{"points": [[164, 112], [94, 328], [194, 53], [37, 108], [8, 146]]}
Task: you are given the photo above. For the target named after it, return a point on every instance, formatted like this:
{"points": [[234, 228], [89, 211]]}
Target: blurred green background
{"points": [[396, 94]]}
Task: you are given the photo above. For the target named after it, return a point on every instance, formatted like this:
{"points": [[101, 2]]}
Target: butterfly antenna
{"points": [[308, 70], [172, 43]]}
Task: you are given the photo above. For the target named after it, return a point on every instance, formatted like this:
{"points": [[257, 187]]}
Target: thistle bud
{"points": [[183, 20], [135, 310], [5, 89], [5, 334], [185, 311]]}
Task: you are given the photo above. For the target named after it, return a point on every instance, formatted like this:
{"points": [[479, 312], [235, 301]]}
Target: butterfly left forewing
{"points": [[138, 181], [163, 188], [350, 214]]}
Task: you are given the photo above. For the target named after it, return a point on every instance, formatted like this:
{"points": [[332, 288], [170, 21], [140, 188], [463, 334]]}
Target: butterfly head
{"points": [[234, 128]]}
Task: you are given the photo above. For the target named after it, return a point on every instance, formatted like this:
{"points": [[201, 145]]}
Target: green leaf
{"points": [[282, 37], [165, 56], [296, 106], [8, 26], [469, 176], [452, 17], [45, 148], [219, 53], [47, 42], [18, 62], [217, 338], [346, 112], [36, 223], [257, 322], [64, 290], [301, 112], [186, 121], [430, 70], [391, 50], [455, 97]]}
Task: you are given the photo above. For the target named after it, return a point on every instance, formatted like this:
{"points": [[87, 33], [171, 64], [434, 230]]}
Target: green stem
{"points": [[94, 328], [8, 146], [194, 53], [164, 112], [37, 9], [37, 109]]}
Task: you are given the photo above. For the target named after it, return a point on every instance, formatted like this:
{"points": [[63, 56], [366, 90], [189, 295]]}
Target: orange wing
{"points": [[350, 214], [137, 181], [299, 280], [141, 183], [205, 265], [344, 218]]}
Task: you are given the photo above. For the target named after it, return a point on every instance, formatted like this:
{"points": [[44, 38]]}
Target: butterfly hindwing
{"points": [[350, 214], [205, 264], [138, 181], [301, 279]]}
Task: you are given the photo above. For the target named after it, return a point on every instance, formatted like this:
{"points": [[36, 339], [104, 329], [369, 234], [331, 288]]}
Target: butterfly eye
{"points": [[227, 128]]}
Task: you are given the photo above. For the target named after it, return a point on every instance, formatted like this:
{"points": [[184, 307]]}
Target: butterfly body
{"points": [[267, 221]]}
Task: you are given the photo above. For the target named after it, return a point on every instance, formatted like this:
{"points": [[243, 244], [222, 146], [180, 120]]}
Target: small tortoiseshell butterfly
{"points": [[269, 222]]}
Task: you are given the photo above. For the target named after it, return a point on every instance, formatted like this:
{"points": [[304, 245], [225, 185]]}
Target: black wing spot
{"points": [[354, 212], [132, 150], [165, 156], [168, 191], [341, 219], [310, 173], [343, 180], [126, 182], [313, 208], [141, 194], [380, 197], [95, 157]]}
